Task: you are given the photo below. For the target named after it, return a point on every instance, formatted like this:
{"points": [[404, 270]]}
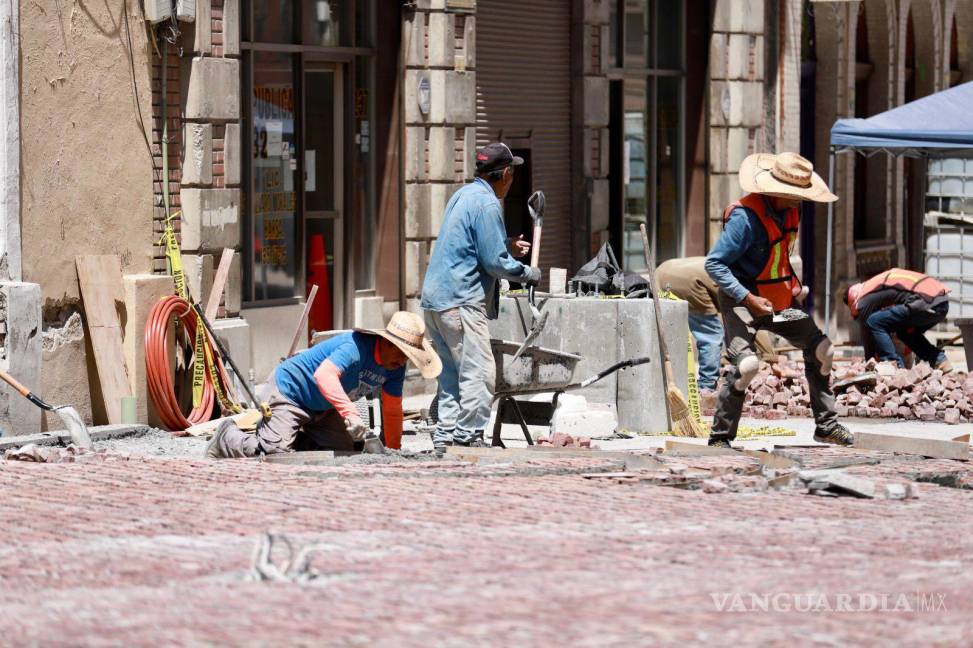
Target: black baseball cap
{"points": [[496, 156]]}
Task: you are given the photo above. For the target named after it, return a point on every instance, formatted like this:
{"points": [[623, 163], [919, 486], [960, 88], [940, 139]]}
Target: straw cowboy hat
{"points": [[787, 175], [407, 331]]}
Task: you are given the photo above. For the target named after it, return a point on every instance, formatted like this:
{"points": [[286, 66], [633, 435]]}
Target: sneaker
{"points": [[838, 435], [213, 447], [945, 366], [717, 442]]}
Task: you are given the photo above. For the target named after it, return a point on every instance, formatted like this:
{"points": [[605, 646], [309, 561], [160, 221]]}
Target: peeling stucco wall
{"points": [[86, 168]]}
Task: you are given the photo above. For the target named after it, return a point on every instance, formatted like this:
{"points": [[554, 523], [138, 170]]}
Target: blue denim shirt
{"points": [[471, 254], [741, 252]]}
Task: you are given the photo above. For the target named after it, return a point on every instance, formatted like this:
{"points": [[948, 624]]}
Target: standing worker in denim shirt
{"points": [[750, 263], [462, 291]]}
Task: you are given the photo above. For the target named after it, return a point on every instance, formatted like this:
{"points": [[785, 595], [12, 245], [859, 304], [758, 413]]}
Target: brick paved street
{"points": [[148, 551]]}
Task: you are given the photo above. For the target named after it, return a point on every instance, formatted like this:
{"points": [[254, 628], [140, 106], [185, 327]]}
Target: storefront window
{"points": [[326, 22], [273, 173], [274, 21]]}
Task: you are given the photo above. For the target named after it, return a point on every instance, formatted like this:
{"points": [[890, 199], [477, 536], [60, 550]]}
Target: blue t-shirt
{"points": [[354, 355]]}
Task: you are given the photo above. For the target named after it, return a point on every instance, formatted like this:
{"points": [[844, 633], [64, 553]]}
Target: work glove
{"points": [[532, 276], [356, 428]]}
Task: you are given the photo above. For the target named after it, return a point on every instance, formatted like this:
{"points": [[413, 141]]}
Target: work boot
{"points": [[838, 435], [719, 442], [213, 447]]}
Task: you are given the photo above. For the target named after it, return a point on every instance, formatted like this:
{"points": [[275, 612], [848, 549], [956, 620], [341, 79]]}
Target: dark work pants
{"points": [[803, 333], [908, 325]]}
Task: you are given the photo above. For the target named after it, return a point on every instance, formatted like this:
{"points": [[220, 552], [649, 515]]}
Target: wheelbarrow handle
{"points": [[624, 364]]}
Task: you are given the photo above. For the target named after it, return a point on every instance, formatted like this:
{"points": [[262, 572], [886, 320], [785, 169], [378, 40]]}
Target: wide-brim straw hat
{"points": [[787, 175], [407, 331]]}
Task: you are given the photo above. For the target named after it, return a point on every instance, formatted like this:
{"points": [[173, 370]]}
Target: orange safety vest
{"points": [[908, 280], [776, 281]]}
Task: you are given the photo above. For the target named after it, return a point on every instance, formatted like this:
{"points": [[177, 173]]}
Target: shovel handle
{"points": [[10, 380], [535, 246]]}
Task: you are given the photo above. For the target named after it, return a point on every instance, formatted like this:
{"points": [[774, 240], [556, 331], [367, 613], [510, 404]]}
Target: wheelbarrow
{"points": [[532, 370]]}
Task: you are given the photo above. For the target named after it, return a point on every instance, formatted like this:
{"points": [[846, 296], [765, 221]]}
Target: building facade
{"points": [[320, 140]]}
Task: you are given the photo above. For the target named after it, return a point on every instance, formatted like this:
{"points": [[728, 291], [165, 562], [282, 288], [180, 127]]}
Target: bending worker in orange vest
{"points": [[750, 263], [903, 303]]}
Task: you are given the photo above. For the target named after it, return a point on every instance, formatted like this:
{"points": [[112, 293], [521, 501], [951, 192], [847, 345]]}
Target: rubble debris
{"points": [[863, 389], [563, 440], [294, 569], [32, 452], [837, 482]]}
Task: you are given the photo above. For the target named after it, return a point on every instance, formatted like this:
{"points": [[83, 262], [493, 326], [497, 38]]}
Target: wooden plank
{"points": [[219, 284], [100, 278], [933, 448], [246, 420], [302, 323]]}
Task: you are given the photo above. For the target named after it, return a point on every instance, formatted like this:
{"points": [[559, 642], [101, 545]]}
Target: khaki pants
{"points": [[289, 428]]}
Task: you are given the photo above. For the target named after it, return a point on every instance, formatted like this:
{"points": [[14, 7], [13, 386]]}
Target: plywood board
{"points": [[100, 278], [913, 445], [219, 284]]}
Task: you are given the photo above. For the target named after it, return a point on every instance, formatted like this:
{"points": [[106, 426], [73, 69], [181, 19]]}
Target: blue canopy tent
{"points": [[935, 126]]}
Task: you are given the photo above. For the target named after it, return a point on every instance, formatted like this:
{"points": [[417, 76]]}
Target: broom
{"points": [[682, 422]]}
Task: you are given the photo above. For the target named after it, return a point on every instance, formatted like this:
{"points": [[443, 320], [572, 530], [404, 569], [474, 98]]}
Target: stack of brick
{"points": [[920, 393]]}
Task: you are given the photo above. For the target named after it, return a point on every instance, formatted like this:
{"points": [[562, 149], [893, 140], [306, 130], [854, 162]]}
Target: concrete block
{"points": [[441, 33], [414, 40], [718, 140], [231, 27], [744, 57], [200, 39], [65, 370], [389, 309], [266, 324], [417, 215], [718, 46], [442, 153], [142, 291], [736, 103], [234, 333], [599, 205], [469, 41], [597, 12], [232, 295], [413, 305], [197, 154], [596, 102], [415, 153], [369, 313], [415, 267], [641, 391], [453, 97], [469, 153], [577, 417], [439, 196], [723, 189], [213, 91], [557, 280], [739, 144], [739, 16], [199, 270], [210, 219], [232, 155], [20, 354]]}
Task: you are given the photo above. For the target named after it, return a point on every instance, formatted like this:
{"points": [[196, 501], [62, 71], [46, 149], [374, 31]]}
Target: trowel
{"points": [[69, 416], [535, 205]]}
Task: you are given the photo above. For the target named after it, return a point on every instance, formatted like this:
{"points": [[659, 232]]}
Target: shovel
{"points": [[535, 205], [72, 420]]}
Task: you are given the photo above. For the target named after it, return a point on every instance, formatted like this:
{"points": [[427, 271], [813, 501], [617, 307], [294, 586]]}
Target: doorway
{"points": [[323, 195]]}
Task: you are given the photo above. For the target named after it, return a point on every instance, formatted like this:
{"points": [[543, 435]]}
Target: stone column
{"points": [[737, 120], [440, 123], [20, 355], [595, 36]]}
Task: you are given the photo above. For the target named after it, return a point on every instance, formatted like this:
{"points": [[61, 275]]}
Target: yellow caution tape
{"points": [[225, 402], [199, 370], [174, 257]]}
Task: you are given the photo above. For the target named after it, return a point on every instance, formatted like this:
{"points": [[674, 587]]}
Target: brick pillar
{"points": [[440, 124], [737, 112]]}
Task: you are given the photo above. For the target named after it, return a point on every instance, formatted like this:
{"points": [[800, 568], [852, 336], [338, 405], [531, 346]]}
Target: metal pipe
{"points": [[827, 267]]}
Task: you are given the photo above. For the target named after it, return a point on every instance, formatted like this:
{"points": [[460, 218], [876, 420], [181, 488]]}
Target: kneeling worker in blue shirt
{"points": [[462, 291]]}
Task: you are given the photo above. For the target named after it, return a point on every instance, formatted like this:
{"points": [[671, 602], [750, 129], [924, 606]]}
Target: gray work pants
{"points": [[462, 340], [803, 333], [290, 427]]}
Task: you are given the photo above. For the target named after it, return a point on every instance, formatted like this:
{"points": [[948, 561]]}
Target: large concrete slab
{"points": [[213, 91], [272, 329], [210, 219], [20, 354]]}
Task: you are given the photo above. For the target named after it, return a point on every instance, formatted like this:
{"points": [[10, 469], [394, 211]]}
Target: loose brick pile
{"points": [[920, 393]]}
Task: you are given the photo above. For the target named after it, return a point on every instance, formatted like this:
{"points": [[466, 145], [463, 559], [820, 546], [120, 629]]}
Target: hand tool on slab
{"points": [[72, 420], [535, 205], [677, 408]]}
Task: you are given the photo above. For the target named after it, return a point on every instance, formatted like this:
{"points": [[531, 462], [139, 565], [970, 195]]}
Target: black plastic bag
{"points": [[602, 274]]}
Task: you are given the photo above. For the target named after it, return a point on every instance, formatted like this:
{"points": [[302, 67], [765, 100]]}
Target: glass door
{"points": [[323, 182]]}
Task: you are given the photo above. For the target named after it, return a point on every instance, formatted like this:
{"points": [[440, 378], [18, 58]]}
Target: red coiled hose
{"points": [[160, 379]]}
